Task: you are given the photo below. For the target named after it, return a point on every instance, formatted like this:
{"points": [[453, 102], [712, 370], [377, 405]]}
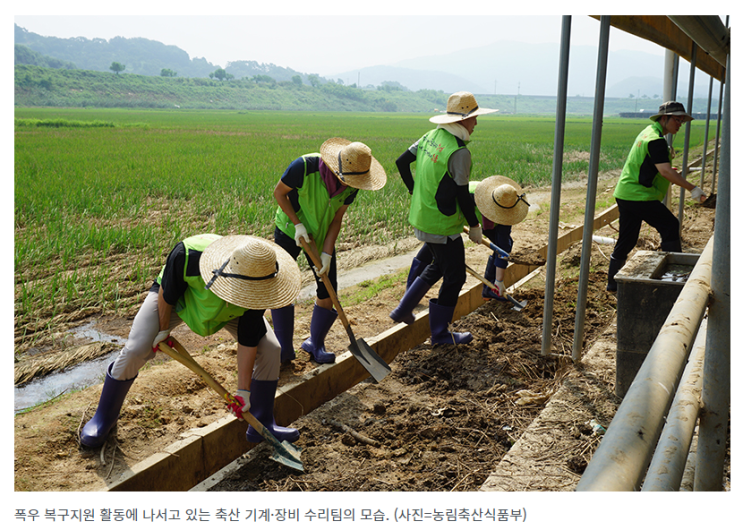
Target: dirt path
{"points": [[441, 421]]}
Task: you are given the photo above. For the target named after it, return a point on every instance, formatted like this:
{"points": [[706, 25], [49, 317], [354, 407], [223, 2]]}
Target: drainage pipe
{"points": [[713, 424], [667, 467], [625, 452], [690, 102], [593, 171], [562, 90]]}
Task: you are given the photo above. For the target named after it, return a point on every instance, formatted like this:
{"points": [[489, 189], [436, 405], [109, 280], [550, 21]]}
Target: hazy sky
{"points": [[316, 41]]}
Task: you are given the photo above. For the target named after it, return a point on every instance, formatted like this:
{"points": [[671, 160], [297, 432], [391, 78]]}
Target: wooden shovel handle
{"points": [[310, 249], [180, 354]]}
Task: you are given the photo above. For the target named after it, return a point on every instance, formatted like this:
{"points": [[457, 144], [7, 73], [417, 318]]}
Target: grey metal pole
{"points": [[593, 171], [717, 137], [716, 387], [670, 78], [687, 134], [719, 120], [667, 467], [562, 90], [706, 131]]}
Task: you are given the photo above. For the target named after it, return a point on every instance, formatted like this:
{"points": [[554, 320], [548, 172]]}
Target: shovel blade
{"points": [[284, 453], [517, 306], [369, 359]]}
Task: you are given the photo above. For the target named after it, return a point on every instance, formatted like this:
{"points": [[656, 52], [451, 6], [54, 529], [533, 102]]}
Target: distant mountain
{"points": [[500, 68], [508, 67]]}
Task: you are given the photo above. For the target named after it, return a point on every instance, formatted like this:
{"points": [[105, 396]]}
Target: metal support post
{"points": [[687, 134], [593, 171], [562, 90], [706, 131], [713, 424]]}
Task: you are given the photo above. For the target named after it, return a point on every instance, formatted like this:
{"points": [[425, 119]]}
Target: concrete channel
{"points": [[191, 461]]}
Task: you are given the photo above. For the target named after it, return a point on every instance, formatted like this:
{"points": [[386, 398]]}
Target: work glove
{"points": [[697, 193], [500, 288], [300, 232], [161, 336], [243, 403], [476, 234], [325, 260]]}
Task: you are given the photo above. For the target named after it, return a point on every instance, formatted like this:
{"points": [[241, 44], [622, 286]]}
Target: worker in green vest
{"points": [[646, 176], [313, 195], [500, 203], [440, 207], [210, 282]]}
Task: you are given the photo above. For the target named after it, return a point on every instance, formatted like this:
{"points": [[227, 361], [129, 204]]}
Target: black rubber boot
{"points": [[614, 266], [109, 406]]}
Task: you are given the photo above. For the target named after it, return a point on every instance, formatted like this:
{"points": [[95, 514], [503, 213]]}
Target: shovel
{"points": [[502, 254], [283, 452], [518, 306], [368, 358]]}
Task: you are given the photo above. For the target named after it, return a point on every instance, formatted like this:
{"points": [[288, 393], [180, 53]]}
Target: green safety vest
{"points": [[316, 208], [203, 311], [432, 166], [629, 187]]}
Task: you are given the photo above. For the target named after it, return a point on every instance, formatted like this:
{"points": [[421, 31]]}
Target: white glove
{"points": [[697, 193], [161, 336], [501, 288], [245, 396], [325, 260], [476, 234], [300, 232]]}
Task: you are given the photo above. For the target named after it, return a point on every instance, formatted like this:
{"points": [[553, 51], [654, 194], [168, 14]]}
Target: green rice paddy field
{"points": [[102, 195]]}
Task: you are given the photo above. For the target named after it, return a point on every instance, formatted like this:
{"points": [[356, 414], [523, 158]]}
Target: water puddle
{"points": [[77, 377]]}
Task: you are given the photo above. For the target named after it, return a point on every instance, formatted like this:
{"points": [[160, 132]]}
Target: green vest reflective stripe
{"points": [[203, 311], [316, 208], [432, 166], [629, 187]]}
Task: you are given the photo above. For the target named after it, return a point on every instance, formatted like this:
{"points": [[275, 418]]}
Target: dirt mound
{"points": [[445, 416]]}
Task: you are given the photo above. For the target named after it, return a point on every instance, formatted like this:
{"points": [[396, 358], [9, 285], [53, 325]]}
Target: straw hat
{"points": [[250, 272], [460, 106], [501, 200], [353, 164], [671, 108]]}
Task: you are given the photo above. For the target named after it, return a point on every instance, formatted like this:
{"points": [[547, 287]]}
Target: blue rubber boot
{"points": [[487, 292], [439, 317], [322, 320], [262, 396], [283, 327], [416, 268], [109, 405], [404, 310]]}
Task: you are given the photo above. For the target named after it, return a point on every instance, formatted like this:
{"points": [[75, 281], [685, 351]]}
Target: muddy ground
{"points": [[441, 421]]}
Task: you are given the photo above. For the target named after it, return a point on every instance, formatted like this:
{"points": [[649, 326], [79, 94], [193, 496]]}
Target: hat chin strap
{"points": [[463, 114], [340, 172], [220, 272], [520, 198]]}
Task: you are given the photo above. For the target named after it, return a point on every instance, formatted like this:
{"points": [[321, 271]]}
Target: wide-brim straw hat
{"points": [[501, 200], [250, 272], [672, 108], [460, 106], [353, 164]]}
